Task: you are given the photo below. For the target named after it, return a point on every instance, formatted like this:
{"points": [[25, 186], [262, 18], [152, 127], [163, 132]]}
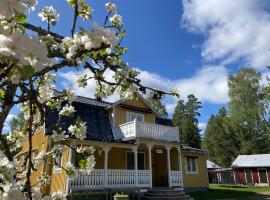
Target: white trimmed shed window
{"points": [[131, 116], [192, 165]]}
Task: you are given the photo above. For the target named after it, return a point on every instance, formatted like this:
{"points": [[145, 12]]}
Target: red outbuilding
{"points": [[252, 169]]}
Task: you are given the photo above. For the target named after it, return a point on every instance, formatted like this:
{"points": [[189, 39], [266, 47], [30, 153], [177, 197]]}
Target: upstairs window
{"points": [[131, 116], [192, 165]]}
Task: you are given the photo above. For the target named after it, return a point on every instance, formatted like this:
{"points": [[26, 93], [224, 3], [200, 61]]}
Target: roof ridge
{"points": [[79, 96]]}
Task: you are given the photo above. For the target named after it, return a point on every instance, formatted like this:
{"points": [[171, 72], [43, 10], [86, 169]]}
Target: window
{"points": [[58, 160], [192, 165], [131, 116], [130, 160]]}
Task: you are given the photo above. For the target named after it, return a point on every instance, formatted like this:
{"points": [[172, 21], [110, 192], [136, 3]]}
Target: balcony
{"points": [[137, 129]]}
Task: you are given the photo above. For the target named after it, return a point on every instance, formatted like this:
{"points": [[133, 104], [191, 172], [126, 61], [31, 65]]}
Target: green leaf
{"points": [[26, 71], [2, 94], [20, 17]]}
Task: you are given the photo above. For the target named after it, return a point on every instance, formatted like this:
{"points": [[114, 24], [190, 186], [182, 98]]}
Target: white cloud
{"points": [[234, 30], [89, 91], [6, 124], [209, 84], [202, 126]]}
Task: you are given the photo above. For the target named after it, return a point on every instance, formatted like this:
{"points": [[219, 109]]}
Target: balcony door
{"points": [[131, 116]]}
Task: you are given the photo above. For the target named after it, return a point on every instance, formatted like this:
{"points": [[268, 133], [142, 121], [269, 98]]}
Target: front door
{"points": [[159, 168], [248, 175]]}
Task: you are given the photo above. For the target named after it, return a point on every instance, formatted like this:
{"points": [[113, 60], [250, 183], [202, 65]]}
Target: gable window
{"points": [[130, 160], [131, 116], [192, 165], [58, 160]]}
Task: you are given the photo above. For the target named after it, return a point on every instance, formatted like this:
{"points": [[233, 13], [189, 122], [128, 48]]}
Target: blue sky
{"points": [[191, 45]]}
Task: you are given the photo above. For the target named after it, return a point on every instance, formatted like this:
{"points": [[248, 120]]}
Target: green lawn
{"points": [[228, 191]]}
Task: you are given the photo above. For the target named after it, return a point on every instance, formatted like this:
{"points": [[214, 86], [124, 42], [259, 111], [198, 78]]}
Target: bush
{"points": [[121, 196]]}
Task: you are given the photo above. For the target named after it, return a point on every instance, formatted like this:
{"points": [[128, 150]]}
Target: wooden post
{"points": [[106, 152], [135, 151], [180, 165], [169, 165], [149, 146]]}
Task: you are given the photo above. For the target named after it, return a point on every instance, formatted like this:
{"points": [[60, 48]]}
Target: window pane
{"points": [[194, 165], [188, 165], [140, 161], [130, 160], [139, 118]]}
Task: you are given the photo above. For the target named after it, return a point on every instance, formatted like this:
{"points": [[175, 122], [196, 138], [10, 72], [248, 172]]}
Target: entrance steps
{"points": [[166, 194]]}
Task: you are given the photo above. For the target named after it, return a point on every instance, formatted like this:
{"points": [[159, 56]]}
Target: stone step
{"points": [[166, 194], [166, 189], [186, 197], [169, 193]]}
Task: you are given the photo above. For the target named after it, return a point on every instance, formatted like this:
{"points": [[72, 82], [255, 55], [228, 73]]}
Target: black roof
{"points": [[192, 149], [163, 121], [92, 112]]}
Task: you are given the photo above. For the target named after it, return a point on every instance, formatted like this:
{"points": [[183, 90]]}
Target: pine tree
{"points": [[220, 139], [185, 117], [158, 105]]}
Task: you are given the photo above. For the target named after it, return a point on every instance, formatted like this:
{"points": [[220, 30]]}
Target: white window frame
{"points": [[133, 113], [56, 168], [138, 152], [196, 165], [265, 173]]}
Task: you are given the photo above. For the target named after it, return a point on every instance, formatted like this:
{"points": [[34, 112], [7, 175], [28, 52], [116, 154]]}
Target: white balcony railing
{"points": [[146, 130], [116, 178], [176, 179]]}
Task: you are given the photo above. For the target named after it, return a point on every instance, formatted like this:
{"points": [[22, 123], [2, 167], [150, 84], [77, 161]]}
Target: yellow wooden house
{"points": [[136, 150]]}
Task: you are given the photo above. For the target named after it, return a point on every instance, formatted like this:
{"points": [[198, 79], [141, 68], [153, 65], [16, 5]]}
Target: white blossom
{"points": [[13, 192], [89, 40], [33, 54], [110, 6], [116, 19], [82, 81], [36, 193], [49, 14], [58, 136], [8, 8], [85, 11], [40, 158], [70, 95], [67, 110], [78, 130], [71, 170], [86, 149], [90, 163], [47, 90], [57, 150], [44, 179], [59, 195], [16, 137]]}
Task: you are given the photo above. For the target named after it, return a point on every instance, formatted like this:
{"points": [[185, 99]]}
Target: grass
{"points": [[228, 191]]}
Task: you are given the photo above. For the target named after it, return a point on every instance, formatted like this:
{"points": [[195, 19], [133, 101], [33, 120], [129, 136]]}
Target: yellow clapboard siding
{"points": [[195, 180], [39, 143], [58, 182]]}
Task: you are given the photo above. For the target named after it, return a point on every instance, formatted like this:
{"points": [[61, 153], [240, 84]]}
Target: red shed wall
{"points": [[240, 175]]}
